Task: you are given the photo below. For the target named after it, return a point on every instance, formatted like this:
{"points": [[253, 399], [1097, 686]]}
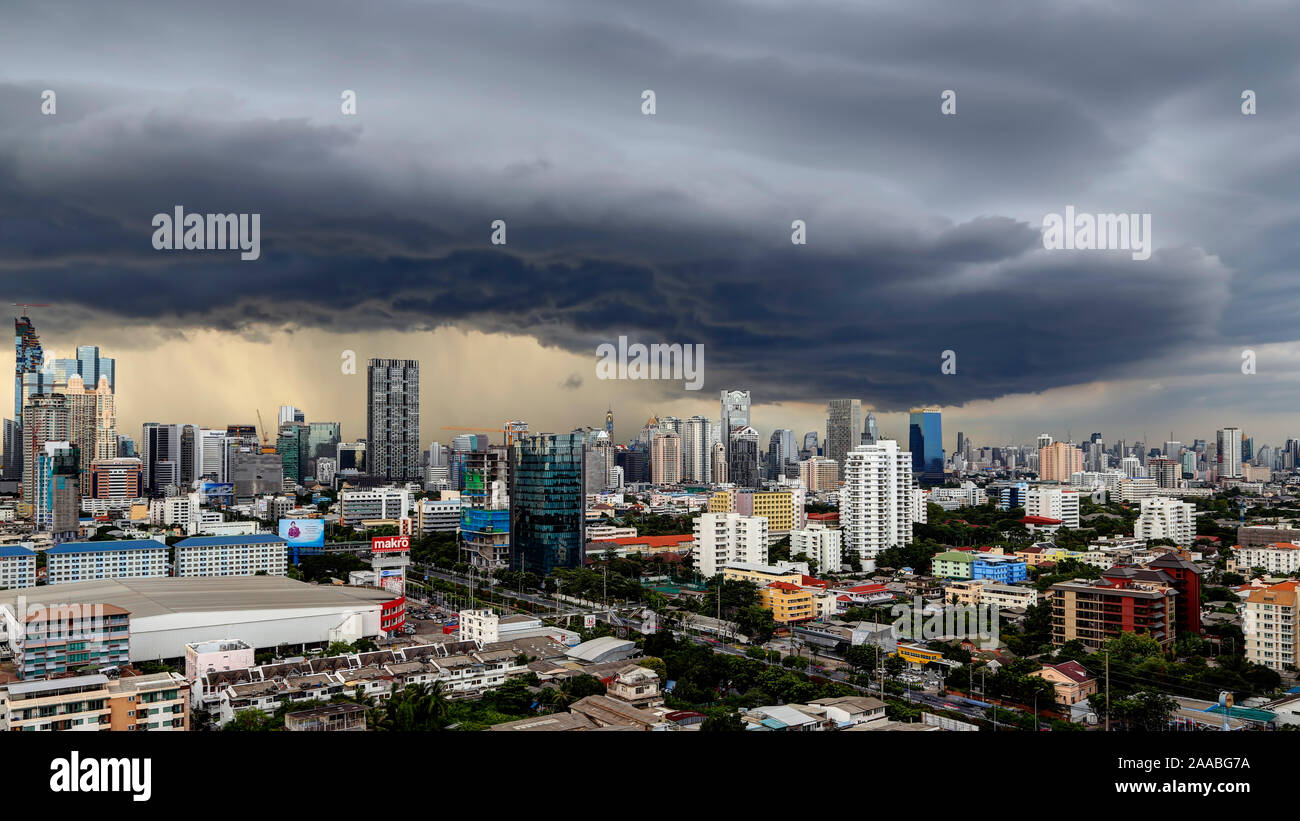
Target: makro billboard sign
{"points": [[390, 544], [303, 532]]}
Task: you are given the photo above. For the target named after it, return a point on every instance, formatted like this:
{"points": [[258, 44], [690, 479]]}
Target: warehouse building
{"points": [[168, 613]]}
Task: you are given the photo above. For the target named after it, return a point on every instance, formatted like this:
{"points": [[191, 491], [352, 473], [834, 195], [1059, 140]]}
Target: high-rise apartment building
{"points": [[726, 538], [843, 423], [697, 444], [1054, 503], [547, 506], [1271, 623], [393, 419], [45, 418], [1059, 461], [666, 459], [58, 490], [876, 500], [1166, 518], [925, 430], [818, 474]]}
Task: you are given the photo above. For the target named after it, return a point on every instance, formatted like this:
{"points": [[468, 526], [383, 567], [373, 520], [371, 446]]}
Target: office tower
{"points": [[322, 438], [160, 451], [726, 538], [45, 418], [437, 455], [780, 452], [28, 359], [1247, 448], [288, 413], [1166, 472], [961, 443], [609, 423], [350, 456], [635, 464], [213, 455], [843, 421], [697, 441], [190, 457], [1131, 466], [734, 413], [876, 500], [718, 463], [742, 457], [254, 473], [1044, 440], [58, 496], [870, 430], [599, 458], [292, 445], [117, 479], [1228, 453], [926, 443], [1189, 464], [1059, 461], [125, 446], [810, 447], [649, 431], [666, 459], [1173, 449], [547, 507], [393, 419]]}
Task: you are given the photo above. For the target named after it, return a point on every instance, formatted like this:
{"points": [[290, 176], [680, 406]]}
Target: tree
{"points": [[722, 720], [250, 720], [756, 622], [655, 664]]}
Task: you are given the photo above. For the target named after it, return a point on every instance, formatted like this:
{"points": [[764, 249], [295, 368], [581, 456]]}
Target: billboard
{"points": [[390, 544], [588, 622], [303, 532], [219, 492], [393, 580]]}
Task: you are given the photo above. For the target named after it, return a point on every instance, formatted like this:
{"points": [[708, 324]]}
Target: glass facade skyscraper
{"points": [[926, 444], [547, 505]]}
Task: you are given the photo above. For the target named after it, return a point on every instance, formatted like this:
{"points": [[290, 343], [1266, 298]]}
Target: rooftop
{"points": [[104, 547], [221, 541], [166, 596]]}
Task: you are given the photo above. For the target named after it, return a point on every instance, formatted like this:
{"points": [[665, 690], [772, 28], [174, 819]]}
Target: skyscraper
{"points": [[742, 457], [697, 440], [735, 412], [666, 459], [925, 430], [393, 419], [160, 451], [1059, 461], [871, 432], [1228, 453], [45, 418], [547, 506], [843, 421], [28, 359], [780, 452], [876, 500], [810, 447]]}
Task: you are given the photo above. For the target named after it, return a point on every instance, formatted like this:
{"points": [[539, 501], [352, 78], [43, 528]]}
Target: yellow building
{"points": [[760, 574], [723, 501], [788, 602], [777, 506]]}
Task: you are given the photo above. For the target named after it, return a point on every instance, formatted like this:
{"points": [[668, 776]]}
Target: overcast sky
{"points": [[923, 229]]}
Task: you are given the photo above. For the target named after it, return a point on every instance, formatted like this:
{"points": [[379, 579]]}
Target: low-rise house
{"points": [[637, 686], [1070, 681], [849, 711]]}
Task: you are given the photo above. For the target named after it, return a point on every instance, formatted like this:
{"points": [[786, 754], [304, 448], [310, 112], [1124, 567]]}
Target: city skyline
{"points": [[344, 402], [923, 238]]}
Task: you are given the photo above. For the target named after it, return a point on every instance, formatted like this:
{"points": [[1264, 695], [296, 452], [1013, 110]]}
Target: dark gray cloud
{"points": [[923, 229]]}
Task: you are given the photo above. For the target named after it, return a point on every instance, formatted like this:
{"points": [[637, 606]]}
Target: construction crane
{"points": [[509, 432], [261, 431], [26, 305]]}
